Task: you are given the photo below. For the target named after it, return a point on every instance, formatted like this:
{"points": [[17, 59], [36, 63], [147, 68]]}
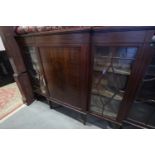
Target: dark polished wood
{"points": [[66, 59], [64, 70], [25, 88], [16, 60], [63, 39], [119, 37], [12, 48], [121, 28]]}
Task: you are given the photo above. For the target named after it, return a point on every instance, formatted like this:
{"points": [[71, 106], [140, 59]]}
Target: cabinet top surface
{"points": [[90, 29]]}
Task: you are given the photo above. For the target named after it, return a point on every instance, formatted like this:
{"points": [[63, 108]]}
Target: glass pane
{"points": [[102, 106], [140, 111], [32, 65], [112, 67], [151, 120], [99, 51], [145, 98], [126, 53]]}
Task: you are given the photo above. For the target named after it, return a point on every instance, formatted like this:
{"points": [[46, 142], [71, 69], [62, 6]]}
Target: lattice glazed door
{"points": [[143, 108], [35, 71], [111, 70]]}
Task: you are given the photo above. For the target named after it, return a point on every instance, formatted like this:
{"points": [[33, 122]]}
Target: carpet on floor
{"points": [[10, 99]]}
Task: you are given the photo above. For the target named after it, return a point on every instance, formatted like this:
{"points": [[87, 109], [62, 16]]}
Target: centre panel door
{"points": [[65, 70]]}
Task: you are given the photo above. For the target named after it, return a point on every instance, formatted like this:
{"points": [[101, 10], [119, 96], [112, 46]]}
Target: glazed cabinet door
{"points": [[117, 64], [35, 70], [112, 67], [66, 73], [142, 112]]}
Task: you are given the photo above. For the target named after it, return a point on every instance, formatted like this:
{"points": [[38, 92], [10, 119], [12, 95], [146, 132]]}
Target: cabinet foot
{"points": [[115, 126], [120, 127], [50, 104], [84, 118]]}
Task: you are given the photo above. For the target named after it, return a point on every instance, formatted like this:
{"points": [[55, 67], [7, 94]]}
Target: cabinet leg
{"points": [[120, 126], [50, 104], [115, 126], [84, 118]]}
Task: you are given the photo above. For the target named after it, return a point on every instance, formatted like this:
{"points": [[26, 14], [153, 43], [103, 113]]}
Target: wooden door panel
{"points": [[63, 69]]}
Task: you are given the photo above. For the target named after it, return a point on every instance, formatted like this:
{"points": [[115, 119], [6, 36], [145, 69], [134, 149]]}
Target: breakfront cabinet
{"points": [[108, 72]]}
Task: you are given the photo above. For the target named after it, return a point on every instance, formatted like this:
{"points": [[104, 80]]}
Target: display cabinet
{"points": [[101, 71]]}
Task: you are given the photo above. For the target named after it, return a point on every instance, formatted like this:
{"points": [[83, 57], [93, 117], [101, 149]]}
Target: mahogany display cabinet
{"points": [[107, 72]]}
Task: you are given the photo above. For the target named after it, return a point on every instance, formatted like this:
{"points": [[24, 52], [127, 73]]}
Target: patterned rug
{"points": [[10, 99]]}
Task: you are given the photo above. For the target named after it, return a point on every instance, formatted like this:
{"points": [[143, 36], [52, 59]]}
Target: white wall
{"points": [[1, 45]]}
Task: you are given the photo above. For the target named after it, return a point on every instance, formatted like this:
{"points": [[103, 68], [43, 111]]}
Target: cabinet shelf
{"points": [[108, 57], [107, 93], [150, 74], [144, 100], [105, 114], [116, 71], [104, 107]]}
